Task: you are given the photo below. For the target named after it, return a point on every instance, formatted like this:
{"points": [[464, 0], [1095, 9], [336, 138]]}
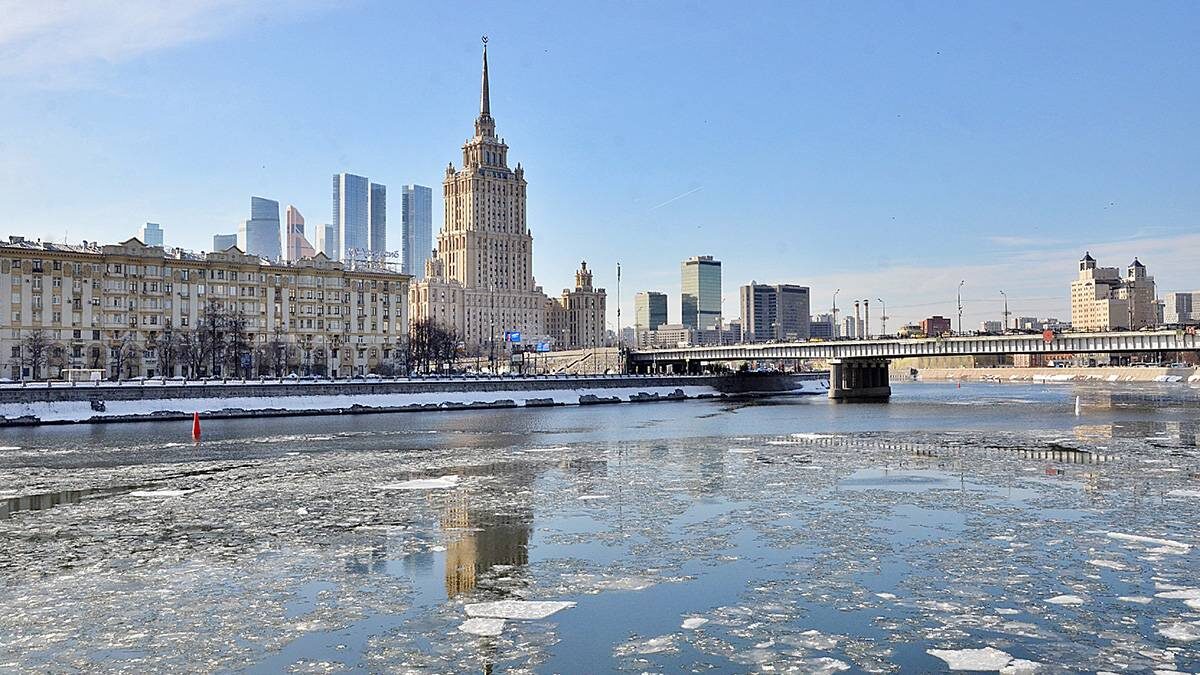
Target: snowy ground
{"points": [[802, 552]]}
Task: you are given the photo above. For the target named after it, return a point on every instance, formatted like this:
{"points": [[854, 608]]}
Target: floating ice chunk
{"points": [[1178, 547], [1007, 610], [655, 645], [1193, 603], [561, 448], [588, 498], [482, 626], [1191, 494], [423, 484], [161, 493], [822, 665], [1181, 594], [988, 658], [693, 622], [1136, 599], [1020, 667], [1074, 600], [743, 451], [813, 639], [886, 596], [9, 448], [1107, 564], [517, 609], [302, 511], [1181, 632]]}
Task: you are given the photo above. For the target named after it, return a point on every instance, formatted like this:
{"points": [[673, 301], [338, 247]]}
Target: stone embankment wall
{"points": [[105, 391], [1102, 374]]}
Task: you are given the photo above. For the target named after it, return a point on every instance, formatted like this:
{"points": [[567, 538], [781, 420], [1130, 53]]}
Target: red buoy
{"points": [[196, 426]]}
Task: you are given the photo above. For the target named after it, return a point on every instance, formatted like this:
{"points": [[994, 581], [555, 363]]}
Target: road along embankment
{"points": [[106, 402], [1099, 374]]}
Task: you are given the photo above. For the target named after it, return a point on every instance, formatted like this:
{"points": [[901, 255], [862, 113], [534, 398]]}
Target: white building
{"points": [[1103, 300]]}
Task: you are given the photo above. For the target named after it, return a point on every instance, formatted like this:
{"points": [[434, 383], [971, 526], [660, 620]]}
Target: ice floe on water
{"points": [[1108, 564], [153, 494], [487, 627], [655, 645], [743, 451], [693, 622], [591, 498], [561, 448], [1180, 632], [987, 658], [517, 609], [1180, 594], [1072, 600], [442, 483], [1160, 545]]}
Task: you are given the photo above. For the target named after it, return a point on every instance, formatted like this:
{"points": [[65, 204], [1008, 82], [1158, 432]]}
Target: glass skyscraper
{"points": [[152, 234], [649, 310], [701, 299], [416, 229], [359, 218], [377, 222], [260, 235]]}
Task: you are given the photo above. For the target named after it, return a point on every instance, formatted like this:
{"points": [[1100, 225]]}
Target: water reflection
{"points": [[482, 534]]}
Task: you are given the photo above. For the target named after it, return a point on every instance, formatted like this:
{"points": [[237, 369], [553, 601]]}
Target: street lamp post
{"points": [[620, 336], [1005, 311], [960, 285], [883, 318]]}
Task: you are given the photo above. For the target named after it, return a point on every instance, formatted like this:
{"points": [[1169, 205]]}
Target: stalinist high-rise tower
{"points": [[479, 280]]}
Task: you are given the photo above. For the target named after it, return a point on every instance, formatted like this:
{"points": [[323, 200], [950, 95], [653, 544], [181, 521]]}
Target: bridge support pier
{"points": [[859, 380]]}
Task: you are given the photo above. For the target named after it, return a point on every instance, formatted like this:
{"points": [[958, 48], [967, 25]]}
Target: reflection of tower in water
{"points": [[480, 535]]}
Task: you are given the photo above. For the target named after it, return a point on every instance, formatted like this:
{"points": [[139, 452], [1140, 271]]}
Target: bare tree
{"points": [[238, 343], [123, 350], [210, 340], [275, 354], [430, 346], [35, 352], [167, 347]]}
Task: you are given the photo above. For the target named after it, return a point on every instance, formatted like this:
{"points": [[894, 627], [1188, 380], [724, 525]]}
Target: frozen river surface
{"points": [[981, 528]]}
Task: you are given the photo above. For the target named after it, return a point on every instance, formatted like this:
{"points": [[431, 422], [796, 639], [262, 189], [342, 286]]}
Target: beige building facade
{"points": [[575, 320], [479, 281], [113, 307], [1101, 299]]}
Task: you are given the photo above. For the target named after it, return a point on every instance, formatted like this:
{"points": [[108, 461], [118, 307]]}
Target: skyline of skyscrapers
{"points": [[416, 229], [700, 297], [222, 242], [152, 234], [260, 235]]}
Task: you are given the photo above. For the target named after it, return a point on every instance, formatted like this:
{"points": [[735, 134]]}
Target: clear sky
{"points": [[886, 149]]}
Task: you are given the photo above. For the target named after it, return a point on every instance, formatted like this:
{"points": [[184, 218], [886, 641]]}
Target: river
{"points": [[982, 526]]}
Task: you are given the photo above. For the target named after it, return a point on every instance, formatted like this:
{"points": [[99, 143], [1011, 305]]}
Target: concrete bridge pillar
{"points": [[859, 380]]}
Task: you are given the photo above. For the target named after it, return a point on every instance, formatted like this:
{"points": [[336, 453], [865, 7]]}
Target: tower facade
{"points": [[485, 246], [416, 229], [700, 301], [260, 235]]}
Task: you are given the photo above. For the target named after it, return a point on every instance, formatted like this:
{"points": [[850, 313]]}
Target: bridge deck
{"points": [[1066, 343]]}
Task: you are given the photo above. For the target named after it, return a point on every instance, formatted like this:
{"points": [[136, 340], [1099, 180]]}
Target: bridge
{"points": [[858, 369]]}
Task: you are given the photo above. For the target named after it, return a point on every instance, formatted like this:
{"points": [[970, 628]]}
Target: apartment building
{"points": [[135, 310]]}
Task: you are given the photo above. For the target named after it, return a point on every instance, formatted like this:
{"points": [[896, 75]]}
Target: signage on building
{"points": [[512, 336], [1048, 336], [543, 347]]}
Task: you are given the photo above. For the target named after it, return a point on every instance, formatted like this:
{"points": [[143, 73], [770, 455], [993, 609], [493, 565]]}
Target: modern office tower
{"points": [[1181, 309], [991, 326], [1102, 300], [326, 240], [152, 234], [778, 312], [377, 222], [649, 311], [296, 245], [223, 242], [416, 229], [351, 217], [260, 235], [701, 297]]}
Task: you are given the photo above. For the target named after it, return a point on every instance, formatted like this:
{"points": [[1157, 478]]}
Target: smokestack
{"points": [[857, 321]]}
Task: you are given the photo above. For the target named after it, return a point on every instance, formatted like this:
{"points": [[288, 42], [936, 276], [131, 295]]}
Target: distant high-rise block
{"points": [[260, 235], [775, 312], [295, 244], [649, 310], [701, 298], [416, 229], [359, 218], [223, 242], [377, 223], [152, 234]]}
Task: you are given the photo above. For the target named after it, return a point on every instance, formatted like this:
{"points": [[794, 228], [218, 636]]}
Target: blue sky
{"points": [[887, 149]]}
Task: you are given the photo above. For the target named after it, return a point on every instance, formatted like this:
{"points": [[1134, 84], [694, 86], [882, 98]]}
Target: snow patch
{"points": [[1073, 600], [693, 622], [1180, 632], [1175, 546]]}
